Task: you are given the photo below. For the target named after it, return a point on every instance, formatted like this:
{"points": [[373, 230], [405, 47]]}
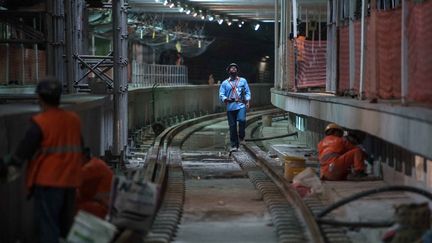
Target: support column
{"points": [[120, 75], [332, 19], [276, 44], [404, 53], [70, 47], [372, 58], [56, 40], [362, 48], [351, 5]]}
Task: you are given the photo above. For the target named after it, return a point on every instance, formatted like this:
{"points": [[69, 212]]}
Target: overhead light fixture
{"points": [[172, 5], [165, 2], [229, 23], [210, 18], [256, 27], [181, 9], [220, 21], [240, 25], [188, 11], [195, 14], [157, 1]]}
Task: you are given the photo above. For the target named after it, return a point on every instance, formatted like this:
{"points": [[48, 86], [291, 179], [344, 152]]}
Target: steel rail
{"points": [[292, 197]]}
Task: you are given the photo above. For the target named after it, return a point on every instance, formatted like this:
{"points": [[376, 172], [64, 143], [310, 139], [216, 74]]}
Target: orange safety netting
{"points": [[22, 64], [420, 52], [383, 54], [388, 46], [311, 63], [344, 65]]}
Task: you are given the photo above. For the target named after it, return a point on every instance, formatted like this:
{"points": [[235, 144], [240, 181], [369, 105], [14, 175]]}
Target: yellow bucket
{"points": [[293, 166]]}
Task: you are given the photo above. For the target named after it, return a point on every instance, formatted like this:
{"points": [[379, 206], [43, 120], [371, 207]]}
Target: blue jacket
{"points": [[238, 98]]}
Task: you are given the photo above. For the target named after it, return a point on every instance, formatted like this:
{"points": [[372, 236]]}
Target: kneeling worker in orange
{"points": [[337, 155], [93, 194]]}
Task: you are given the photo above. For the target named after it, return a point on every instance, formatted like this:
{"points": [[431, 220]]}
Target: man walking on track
{"points": [[235, 93]]}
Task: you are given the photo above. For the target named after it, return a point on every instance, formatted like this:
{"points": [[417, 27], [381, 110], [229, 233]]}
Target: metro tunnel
{"points": [[215, 121]]}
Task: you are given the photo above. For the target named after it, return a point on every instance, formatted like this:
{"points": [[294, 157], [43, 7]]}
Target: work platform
{"points": [[374, 208]]}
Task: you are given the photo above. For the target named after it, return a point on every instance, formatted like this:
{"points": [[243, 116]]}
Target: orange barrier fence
{"points": [[311, 63], [388, 42], [21, 65], [420, 52], [343, 60], [383, 54]]}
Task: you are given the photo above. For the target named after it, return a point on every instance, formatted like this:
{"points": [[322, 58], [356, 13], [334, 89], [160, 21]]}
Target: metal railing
{"points": [[145, 75]]}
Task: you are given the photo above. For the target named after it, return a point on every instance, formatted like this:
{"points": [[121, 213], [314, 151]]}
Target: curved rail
{"points": [[163, 167]]}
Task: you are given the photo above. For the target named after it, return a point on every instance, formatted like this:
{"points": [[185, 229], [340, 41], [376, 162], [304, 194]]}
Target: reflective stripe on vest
{"points": [[234, 89], [327, 157], [61, 149]]}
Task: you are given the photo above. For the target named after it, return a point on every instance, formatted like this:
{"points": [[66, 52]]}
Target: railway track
{"points": [[292, 219]]}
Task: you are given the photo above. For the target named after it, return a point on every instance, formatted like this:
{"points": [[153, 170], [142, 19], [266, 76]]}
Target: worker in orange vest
{"points": [[94, 192], [53, 147], [337, 155]]}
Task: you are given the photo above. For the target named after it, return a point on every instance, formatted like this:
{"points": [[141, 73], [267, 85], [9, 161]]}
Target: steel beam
{"points": [[120, 75]]}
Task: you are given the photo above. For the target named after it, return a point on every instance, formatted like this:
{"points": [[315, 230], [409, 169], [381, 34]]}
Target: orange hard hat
{"points": [[332, 126]]}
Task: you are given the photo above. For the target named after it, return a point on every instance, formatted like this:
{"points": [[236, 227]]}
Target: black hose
{"points": [[268, 138], [373, 191], [378, 224]]}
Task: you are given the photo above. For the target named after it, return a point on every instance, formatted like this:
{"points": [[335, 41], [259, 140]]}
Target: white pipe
{"points": [[362, 49], [36, 50], [351, 42], [319, 26], [307, 24], [294, 17], [276, 43], [22, 64], [404, 53]]}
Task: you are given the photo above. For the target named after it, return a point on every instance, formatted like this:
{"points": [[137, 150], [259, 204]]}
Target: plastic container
{"points": [[91, 229], [293, 166]]}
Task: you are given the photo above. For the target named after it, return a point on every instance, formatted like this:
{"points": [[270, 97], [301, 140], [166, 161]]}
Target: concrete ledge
{"points": [[407, 126]]}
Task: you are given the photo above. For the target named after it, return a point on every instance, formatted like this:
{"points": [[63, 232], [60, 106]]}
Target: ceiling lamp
{"points": [[256, 26]]}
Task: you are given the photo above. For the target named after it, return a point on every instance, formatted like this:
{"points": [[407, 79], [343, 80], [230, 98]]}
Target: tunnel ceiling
{"points": [[259, 10]]}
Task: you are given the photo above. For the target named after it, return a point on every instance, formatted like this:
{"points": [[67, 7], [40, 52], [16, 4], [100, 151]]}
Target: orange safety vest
{"points": [[329, 149], [93, 194], [59, 160]]}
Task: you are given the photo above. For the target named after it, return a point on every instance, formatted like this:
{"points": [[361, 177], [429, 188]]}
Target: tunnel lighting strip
{"points": [[205, 14]]}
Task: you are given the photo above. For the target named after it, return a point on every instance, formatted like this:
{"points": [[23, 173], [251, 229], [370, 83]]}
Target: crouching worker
{"points": [[338, 156], [93, 194]]}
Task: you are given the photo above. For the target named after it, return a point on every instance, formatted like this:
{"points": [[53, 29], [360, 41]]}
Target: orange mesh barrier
{"points": [[388, 42], [420, 52], [343, 59], [311, 63], [22, 65], [357, 54], [290, 65]]}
